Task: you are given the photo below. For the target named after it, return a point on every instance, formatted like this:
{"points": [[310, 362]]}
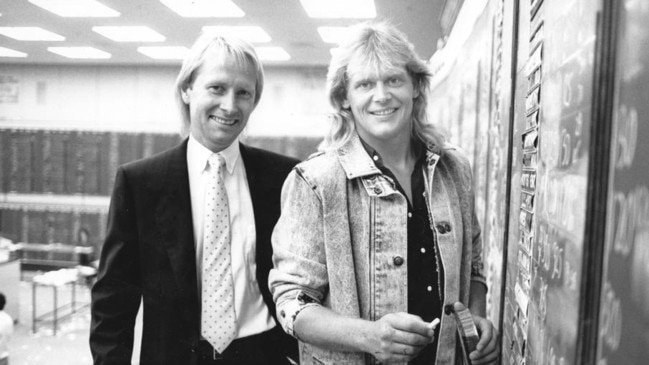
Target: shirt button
{"points": [[423, 250], [409, 214], [397, 260], [376, 158], [429, 288], [377, 190]]}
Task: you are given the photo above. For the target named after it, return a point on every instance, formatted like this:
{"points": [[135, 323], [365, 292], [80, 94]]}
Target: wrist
{"points": [[368, 336]]}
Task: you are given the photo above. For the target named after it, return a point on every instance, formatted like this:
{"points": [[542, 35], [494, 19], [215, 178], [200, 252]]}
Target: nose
{"points": [[381, 93], [228, 101]]}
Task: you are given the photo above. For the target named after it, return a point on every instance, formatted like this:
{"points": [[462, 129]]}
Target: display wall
{"points": [[623, 336], [565, 208]]}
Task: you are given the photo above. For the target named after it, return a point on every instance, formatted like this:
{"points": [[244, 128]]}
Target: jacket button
{"points": [[377, 190], [397, 260], [441, 229], [447, 227]]}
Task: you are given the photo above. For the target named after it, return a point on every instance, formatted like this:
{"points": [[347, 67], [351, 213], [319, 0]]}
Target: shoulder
{"points": [[5, 318], [175, 157], [454, 155], [454, 164], [322, 171], [268, 160], [320, 165]]}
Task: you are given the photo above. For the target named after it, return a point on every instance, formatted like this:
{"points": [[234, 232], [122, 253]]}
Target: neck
{"points": [[396, 153]]}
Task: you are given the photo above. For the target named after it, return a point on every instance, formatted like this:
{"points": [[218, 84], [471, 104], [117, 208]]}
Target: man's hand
{"points": [[399, 337], [487, 350]]}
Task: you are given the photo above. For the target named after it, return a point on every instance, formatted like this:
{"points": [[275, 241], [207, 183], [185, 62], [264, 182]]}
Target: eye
{"points": [[216, 89], [395, 81], [245, 94], [364, 85]]}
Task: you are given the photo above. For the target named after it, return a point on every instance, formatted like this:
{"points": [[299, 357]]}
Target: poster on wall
{"points": [[9, 89]]}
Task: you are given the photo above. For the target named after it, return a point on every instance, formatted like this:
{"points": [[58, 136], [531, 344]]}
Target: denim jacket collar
{"points": [[357, 163]]}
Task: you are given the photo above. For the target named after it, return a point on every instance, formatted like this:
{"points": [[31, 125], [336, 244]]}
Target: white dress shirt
{"points": [[251, 312]]}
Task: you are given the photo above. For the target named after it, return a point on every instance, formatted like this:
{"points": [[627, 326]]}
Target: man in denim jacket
{"points": [[378, 233]]}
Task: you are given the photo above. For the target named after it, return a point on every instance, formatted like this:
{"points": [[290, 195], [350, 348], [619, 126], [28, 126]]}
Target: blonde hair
{"points": [[379, 46], [239, 50]]}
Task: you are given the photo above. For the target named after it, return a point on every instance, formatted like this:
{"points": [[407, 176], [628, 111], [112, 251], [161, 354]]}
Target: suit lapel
{"points": [[264, 192], [174, 220], [253, 175]]}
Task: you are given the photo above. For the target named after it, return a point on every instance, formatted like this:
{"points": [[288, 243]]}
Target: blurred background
{"points": [[547, 98], [87, 85]]}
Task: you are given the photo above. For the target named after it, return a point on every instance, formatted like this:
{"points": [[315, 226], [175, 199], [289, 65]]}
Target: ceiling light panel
{"points": [[204, 8], [30, 34], [76, 8], [164, 53], [331, 9], [80, 52], [253, 34], [130, 33], [8, 52], [272, 54]]}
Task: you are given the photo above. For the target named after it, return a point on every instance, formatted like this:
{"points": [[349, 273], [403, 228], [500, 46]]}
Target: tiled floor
{"points": [[69, 346]]}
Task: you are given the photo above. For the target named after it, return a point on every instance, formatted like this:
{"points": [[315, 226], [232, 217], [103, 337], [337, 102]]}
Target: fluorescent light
{"points": [[130, 34], [204, 8], [30, 34], [76, 8], [362, 9], [8, 52], [79, 52], [332, 34], [252, 34], [164, 53], [272, 54]]}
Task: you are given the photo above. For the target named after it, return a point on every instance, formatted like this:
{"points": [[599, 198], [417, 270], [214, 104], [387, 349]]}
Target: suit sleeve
{"points": [[117, 292]]}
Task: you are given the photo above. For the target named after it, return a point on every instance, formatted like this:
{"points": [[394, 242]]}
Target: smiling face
{"points": [[220, 99], [381, 103]]}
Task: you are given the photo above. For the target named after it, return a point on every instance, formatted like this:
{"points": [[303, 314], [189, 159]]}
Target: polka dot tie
{"points": [[217, 308]]}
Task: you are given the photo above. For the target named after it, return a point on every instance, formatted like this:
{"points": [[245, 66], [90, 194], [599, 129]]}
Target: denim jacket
{"points": [[341, 242]]}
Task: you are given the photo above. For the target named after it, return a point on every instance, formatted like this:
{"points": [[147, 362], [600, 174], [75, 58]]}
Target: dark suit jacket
{"points": [[149, 254]]}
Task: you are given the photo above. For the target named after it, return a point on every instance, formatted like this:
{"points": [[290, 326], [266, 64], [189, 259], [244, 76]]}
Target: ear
{"points": [[416, 92], [185, 95]]}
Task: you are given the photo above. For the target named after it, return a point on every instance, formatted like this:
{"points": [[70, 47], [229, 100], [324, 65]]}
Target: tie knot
{"points": [[216, 161]]}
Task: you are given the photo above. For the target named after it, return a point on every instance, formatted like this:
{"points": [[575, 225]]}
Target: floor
{"points": [[69, 345]]}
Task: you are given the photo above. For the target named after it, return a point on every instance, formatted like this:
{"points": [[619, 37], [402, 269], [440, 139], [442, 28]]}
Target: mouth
{"points": [[223, 121], [383, 112]]}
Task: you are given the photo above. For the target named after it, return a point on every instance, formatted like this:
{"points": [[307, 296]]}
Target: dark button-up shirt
{"points": [[424, 272]]}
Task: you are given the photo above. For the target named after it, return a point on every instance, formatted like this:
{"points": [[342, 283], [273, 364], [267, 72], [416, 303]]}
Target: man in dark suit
{"points": [[157, 248]]}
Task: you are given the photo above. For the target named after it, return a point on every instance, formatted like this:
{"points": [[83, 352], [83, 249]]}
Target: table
{"points": [[56, 280]]}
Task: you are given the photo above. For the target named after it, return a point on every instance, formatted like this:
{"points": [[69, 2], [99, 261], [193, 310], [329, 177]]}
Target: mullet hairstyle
{"points": [[379, 46], [236, 49]]}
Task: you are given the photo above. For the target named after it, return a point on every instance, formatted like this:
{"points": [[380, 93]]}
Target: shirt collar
{"points": [[356, 157], [198, 154], [417, 145]]}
